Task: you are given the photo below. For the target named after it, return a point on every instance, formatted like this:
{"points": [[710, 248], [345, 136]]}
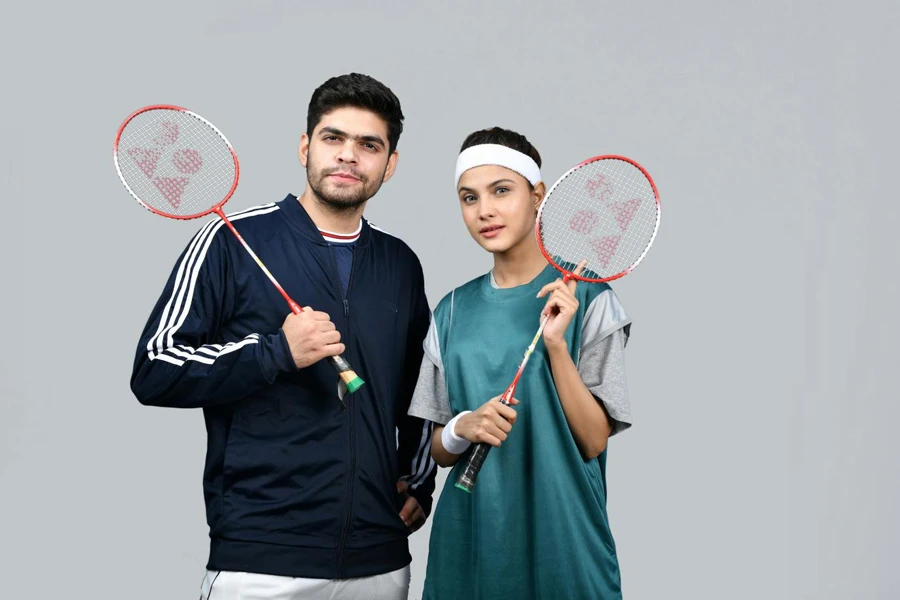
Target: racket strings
{"points": [[175, 163], [604, 212]]}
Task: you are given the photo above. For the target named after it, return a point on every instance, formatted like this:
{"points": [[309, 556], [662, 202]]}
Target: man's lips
{"points": [[345, 177]]}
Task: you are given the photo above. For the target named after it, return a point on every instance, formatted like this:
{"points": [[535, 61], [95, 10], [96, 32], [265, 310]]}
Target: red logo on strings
{"points": [[599, 188], [146, 160], [187, 161], [584, 221], [625, 212], [605, 248], [171, 188], [169, 134]]}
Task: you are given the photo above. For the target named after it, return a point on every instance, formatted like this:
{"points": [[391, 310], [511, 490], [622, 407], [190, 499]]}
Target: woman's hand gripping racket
{"points": [[596, 224], [178, 165]]}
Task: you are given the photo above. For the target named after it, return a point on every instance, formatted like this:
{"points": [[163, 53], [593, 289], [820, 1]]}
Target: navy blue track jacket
{"points": [[294, 485]]}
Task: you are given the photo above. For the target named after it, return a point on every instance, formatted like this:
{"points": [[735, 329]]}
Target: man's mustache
{"points": [[351, 172]]}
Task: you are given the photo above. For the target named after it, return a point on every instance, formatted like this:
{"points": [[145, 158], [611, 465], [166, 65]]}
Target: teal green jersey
{"points": [[536, 524]]}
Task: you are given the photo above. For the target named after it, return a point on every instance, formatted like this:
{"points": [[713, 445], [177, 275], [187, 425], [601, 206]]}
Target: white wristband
{"points": [[452, 442]]}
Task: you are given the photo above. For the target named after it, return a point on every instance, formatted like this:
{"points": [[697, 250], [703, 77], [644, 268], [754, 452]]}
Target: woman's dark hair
{"points": [[502, 137]]}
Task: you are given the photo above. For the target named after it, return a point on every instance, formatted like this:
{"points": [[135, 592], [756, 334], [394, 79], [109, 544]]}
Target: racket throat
{"points": [[507, 396]]}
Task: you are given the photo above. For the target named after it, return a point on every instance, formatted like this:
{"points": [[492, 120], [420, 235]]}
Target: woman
{"points": [[536, 524]]}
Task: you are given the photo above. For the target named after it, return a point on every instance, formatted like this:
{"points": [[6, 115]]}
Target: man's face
{"points": [[346, 157]]}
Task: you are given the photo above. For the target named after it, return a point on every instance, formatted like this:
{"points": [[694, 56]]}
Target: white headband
{"points": [[495, 154]]}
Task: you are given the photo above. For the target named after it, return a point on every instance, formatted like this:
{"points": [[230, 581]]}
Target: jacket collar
{"points": [[299, 219]]}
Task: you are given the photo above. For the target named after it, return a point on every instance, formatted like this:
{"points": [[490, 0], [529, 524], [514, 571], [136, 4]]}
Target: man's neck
{"points": [[328, 218]]}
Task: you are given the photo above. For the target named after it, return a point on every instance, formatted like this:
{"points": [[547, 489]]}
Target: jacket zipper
{"points": [[345, 298]]}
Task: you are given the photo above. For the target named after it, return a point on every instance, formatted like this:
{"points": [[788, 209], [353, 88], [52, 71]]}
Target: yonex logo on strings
{"points": [[585, 221], [599, 188], [187, 161]]}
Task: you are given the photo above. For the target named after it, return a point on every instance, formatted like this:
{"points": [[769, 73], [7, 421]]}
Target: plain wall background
{"points": [[762, 366]]}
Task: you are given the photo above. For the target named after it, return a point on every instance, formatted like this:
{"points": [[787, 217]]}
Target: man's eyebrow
{"points": [[364, 138]]}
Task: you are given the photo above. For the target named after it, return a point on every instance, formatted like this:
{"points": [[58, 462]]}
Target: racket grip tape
{"points": [[466, 480], [347, 375]]}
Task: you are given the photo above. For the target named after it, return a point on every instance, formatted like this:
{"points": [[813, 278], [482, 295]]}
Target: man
{"points": [[304, 498]]}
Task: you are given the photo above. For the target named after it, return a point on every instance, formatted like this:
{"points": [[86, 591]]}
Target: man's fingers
{"points": [[331, 337], [416, 519], [412, 514], [408, 507], [332, 350]]}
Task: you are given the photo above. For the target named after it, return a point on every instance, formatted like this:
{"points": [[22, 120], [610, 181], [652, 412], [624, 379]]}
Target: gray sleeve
{"points": [[601, 363], [602, 368], [430, 399]]}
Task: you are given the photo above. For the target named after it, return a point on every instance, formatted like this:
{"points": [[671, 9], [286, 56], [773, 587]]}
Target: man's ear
{"points": [[391, 166], [303, 149]]}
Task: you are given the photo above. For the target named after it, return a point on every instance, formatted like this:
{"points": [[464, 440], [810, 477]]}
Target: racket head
{"points": [[174, 162], [605, 211]]}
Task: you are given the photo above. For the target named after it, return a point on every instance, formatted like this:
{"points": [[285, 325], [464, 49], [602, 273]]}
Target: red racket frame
{"points": [[467, 479], [215, 209], [347, 375], [537, 228]]}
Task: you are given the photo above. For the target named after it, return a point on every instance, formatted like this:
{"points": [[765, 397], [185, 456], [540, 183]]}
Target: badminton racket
{"points": [[178, 165], [596, 224]]}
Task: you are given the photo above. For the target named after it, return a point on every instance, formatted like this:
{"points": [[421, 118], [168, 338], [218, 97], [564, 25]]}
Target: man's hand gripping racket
{"points": [[596, 224], [178, 165]]}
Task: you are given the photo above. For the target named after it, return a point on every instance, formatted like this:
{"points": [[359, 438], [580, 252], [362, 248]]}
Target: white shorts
{"points": [[231, 585]]}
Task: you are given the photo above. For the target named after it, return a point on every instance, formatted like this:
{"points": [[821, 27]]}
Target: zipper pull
{"points": [[346, 307]]}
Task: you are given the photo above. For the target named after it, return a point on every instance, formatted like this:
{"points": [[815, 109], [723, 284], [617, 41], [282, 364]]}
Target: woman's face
{"points": [[498, 206]]}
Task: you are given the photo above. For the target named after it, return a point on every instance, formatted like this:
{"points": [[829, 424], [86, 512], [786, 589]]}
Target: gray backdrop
{"points": [[762, 366]]}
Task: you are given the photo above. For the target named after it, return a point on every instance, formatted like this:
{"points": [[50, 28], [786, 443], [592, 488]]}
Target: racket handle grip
{"points": [[466, 480], [347, 375]]}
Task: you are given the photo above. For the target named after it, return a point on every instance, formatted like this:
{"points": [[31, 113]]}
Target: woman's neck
{"points": [[519, 265]]}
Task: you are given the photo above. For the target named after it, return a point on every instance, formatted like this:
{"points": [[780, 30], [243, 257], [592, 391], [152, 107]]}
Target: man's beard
{"points": [[338, 199]]}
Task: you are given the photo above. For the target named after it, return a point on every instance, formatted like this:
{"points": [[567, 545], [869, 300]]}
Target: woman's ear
{"points": [[538, 195]]}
